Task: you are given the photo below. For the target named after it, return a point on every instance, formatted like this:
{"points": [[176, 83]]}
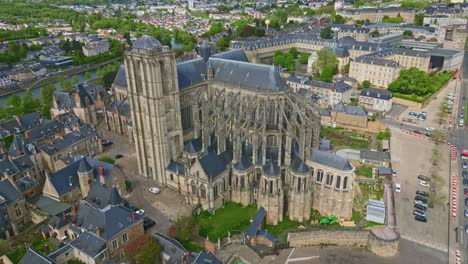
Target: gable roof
{"points": [[349, 109], [35, 257], [101, 196], [330, 160], [233, 55], [377, 93], [121, 78], [257, 222], [9, 192], [212, 164], [89, 243]]}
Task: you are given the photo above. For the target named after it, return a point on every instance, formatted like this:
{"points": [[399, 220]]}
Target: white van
{"points": [[397, 187]]}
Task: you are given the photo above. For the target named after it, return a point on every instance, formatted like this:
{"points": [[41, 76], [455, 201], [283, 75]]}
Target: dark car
{"points": [[465, 182], [129, 206], [420, 198], [420, 207], [118, 156], [466, 201], [148, 223], [412, 114], [465, 165], [422, 193], [106, 142], [424, 178], [466, 228], [465, 174], [420, 218]]}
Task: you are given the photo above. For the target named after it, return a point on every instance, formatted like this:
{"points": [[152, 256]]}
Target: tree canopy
{"points": [[143, 250], [285, 60], [326, 33], [412, 81], [326, 64], [186, 228]]}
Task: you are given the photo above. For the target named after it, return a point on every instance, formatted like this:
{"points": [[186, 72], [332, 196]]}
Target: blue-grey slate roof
{"points": [[267, 235], [234, 55], [59, 252], [377, 93], [171, 247], [297, 164], [202, 257], [194, 145], [48, 205], [191, 72], [271, 168], [257, 222], [176, 167], [329, 159], [112, 220], [121, 78], [146, 42], [89, 243], [212, 164], [25, 184], [244, 163], [349, 109], [384, 171], [101, 196], [9, 192], [32, 256], [375, 155], [21, 145]]}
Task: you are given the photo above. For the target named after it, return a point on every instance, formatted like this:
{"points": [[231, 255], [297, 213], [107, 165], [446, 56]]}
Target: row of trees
{"points": [[28, 32], [417, 82], [17, 51]]}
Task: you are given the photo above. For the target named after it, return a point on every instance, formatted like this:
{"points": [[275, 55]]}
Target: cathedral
{"points": [[219, 128]]}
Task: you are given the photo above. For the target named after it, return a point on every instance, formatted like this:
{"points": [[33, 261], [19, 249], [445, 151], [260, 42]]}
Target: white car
{"points": [[430, 129], [420, 202], [154, 190], [140, 212], [424, 183], [397, 187]]}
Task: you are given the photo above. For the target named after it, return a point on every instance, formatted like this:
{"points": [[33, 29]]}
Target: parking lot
{"points": [[432, 108], [411, 156]]}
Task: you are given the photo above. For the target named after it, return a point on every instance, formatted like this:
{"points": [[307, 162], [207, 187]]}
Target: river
{"points": [[37, 90]]}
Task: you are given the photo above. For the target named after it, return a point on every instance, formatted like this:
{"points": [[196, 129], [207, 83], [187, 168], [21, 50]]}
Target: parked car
{"points": [[465, 174], [148, 223], [465, 182], [423, 177], [430, 129], [466, 201], [129, 206], [461, 115], [154, 190], [461, 123], [394, 174], [106, 142], [420, 202], [420, 198], [397, 187], [466, 212], [140, 212], [417, 132], [412, 114], [466, 228], [465, 165], [419, 212], [420, 218], [118, 156], [465, 191], [424, 183], [422, 193], [424, 113], [420, 207]]}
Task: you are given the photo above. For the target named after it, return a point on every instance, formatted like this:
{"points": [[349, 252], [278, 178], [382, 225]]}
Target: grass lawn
{"points": [[192, 246], [356, 217], [285, 226], [232, 217], [371, 191], [340, 138], [107, 159], [365, 171], [15, 248]]}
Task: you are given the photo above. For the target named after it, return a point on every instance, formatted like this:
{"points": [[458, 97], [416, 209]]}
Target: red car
{"points": [[417, 132], [466, 191]]}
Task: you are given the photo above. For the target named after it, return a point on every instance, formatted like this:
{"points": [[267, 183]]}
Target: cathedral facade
{"points": [[218, 129]]}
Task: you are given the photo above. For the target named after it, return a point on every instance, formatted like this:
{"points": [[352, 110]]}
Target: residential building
{"points": [[95, 48], [32, 256], [326, 94], [231, 163], [5, 81], [375, 158], [453, 36], [75, 181], [345, 115], [377, 14], [85, 102], [379, 72], [13, 211], [376, 100]]}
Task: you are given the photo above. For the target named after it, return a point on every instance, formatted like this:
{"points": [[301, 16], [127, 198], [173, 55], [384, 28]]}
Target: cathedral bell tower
{"points": [[153, 93]]}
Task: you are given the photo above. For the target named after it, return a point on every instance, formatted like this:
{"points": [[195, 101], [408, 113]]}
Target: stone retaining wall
{"points": [[384, 248], [339, 237]]}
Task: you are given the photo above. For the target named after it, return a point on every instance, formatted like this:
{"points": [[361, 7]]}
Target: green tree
{"points": [[366, 84], [418, 19], [338, 19], [88, 75], [396, 20], [30, 103], [326, 75], [47, 95], [75, 80], [412, 81], [108, 79], [14, 105], [375, 33], [186, 228], [326, 33], [326, 61], [346, 68], [407, 33], [143, 250], [304, 58], [294, 52]]}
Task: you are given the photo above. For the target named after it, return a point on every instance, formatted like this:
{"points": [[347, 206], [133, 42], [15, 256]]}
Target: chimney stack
{"points": [[98, 231], [133, 216]]}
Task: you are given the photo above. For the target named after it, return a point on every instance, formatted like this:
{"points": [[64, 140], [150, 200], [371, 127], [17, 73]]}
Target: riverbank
{"points": [[55, 78]]}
